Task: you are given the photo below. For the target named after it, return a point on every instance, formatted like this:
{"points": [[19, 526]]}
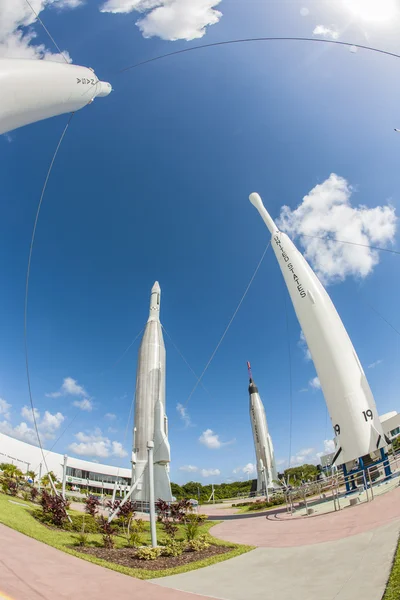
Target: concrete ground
{"points": [[347, 569]]}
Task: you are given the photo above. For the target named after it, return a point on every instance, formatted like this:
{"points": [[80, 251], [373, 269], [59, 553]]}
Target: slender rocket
{"points": [[150, 419], [266, 468], [348, 396], [32, 90]]}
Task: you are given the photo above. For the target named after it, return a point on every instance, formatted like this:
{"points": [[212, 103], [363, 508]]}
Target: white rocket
{"points": [[150, 420], [266, 467], [347, 394], [32, 90]]}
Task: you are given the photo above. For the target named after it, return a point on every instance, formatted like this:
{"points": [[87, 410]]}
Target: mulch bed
{"points": [[126, 557]]}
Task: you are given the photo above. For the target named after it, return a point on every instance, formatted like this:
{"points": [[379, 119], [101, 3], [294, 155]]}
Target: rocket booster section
{"points": [[345, 387], [150, 419], [266, 468]]}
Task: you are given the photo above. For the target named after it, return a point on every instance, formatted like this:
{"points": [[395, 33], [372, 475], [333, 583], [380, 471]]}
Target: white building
{"points": [[81, 473]]}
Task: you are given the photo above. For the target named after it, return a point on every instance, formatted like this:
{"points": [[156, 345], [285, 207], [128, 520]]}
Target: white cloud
{"points": [[326, 212], [329, 446], [96, 445], [303, 456], [375, 364], [184, 414], [327, 32], [17, 36], [189, 468], [4, 409], [112, 430], [70, 387], [211, 440], [315, 383], [26, 413], [169, 19], [303, 390], [249, 469], [110, 416], [21, 432], [209, 472], [85, 404], [304, 11], [118, 450], [303, 345]]}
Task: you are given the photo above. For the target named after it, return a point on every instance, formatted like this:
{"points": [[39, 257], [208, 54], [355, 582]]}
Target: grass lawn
{"points": [[19, 517], [393, 587]]}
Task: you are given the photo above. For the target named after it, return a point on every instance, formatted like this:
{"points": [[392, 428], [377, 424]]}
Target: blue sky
{"points": [[152, 182]]}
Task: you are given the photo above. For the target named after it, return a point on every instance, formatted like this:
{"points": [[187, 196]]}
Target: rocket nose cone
{"points": [[255, 199], [156, 287]]}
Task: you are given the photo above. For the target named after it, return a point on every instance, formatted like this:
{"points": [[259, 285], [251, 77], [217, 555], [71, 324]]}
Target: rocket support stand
{"points": [[150, 451]]}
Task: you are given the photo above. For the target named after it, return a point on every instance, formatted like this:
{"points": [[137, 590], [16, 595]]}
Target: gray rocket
{"points": [[266, 467], [151, 423]]}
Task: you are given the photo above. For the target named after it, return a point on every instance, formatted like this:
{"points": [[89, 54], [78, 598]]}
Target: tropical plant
{"points": [[82, 537], [172, 548], [200, 543], [87, 521], [148, 553], [192, 525], [54, 507], [172, 514], [108, 531], [46, 479], [10, 486], [134, 532], [34, 493], [31, 475], [92, 505], [10, 470]]}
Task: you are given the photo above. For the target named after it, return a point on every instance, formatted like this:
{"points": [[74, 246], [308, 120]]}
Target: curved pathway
{"points": [[30, 570]]}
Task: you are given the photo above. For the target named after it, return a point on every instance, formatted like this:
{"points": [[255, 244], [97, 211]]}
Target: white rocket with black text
{"points": [[348, 396], [151, 423], [266, 468]]}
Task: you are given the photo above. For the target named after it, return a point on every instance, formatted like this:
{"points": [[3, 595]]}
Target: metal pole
{"points": [[370, 484], [64, 479], [150, 450]]}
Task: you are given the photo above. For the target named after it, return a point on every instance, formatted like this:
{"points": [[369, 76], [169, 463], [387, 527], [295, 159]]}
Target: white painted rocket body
{"points": [[150, 420], [33, 90], [348, 396], [265, 459]]}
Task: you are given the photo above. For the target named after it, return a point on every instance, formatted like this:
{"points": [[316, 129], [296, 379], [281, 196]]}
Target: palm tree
{"points": [[10, 470], [32, 475], [46, 478]]}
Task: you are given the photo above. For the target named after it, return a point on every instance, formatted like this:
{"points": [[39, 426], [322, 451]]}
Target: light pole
{"points": [[150, 451]]}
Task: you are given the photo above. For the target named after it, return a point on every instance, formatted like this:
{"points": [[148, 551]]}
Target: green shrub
{"points": [[82, 537], [199, 544], [192, 525], [172, 548], [148, 553], [78, 521], [25, 496], [134, 531]]}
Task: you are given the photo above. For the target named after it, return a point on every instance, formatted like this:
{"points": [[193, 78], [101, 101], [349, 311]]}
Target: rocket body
{"points": [[265, 460], [32, 90], [348, 396], [150, 421]]}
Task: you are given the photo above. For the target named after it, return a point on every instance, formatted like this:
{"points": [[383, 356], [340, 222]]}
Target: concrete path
{"points": [[347, 569], [30, 570], [280, 531]]}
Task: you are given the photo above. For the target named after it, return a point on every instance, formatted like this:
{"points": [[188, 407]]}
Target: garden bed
{"points": [[126, 557]]}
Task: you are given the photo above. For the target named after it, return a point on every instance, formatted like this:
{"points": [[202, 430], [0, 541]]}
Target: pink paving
{"points": [[30, 570], [278, 533]]}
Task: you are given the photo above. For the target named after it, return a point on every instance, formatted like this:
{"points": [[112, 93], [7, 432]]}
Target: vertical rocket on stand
{"points": [[150, 419], [266, 468], [345, 387]]}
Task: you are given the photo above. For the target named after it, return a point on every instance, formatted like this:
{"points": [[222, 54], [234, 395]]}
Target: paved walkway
{"points": [[347, 569], [30, 570], [279, 532]]}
